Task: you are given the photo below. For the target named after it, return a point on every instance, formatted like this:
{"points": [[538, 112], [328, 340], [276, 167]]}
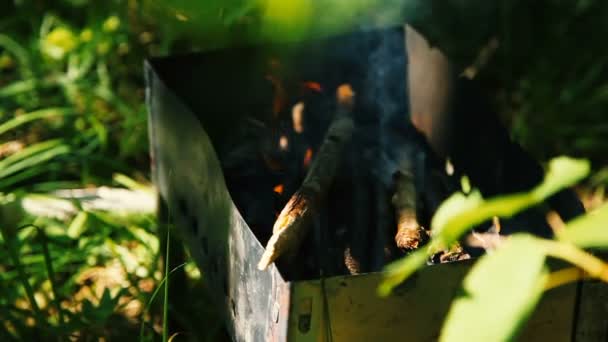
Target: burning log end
{"points": [[289, 229], [345, 96], [294, 220], [410, 235]]}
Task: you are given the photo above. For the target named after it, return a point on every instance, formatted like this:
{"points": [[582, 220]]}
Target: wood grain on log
{"points": [[294, 221], [410, 235]]}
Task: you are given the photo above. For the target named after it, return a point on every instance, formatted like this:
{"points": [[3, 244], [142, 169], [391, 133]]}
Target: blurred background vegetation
{"points": [[72, 115]]}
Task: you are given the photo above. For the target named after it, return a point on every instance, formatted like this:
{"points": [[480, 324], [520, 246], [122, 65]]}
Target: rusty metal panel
{"points": [[592, 320], [414, 312], [592, 309], [553, 318], [188, 176]]}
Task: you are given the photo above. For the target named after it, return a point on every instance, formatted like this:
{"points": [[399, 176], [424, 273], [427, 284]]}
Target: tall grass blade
{"points": [[29, 151], [154, 294], [32, 116], [29, 173], [9, 239], [18, 87], [19, 52], [166, 299], [34, 160], [50, 272]]}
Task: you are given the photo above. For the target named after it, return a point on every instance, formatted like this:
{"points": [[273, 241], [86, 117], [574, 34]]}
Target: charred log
{"points": [[294, 221], [410, 235]]}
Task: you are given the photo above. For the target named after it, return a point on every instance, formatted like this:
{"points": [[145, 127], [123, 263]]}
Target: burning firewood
{"points": [[295, 219], [410, 235]]}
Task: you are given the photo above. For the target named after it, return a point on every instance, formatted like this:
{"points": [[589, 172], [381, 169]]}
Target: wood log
{"points": [[410, 235], [295, 219]]}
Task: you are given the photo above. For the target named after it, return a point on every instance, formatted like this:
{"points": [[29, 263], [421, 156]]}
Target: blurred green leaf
{"points": [[9, 181], [130, 183], [78, 225], [29, 151], [107, 305], [400, 270], [459, 212], [18, 87], [35, 115], [19, 52], [562, 173], [588, 231], [28, 159], [499, 293]]}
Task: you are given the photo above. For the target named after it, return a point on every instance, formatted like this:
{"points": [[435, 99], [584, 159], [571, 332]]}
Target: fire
{"points": [[283, 143], [308, 157], [314, 86], [345, 94], [278, 189], [297, 115], [280, 94]]}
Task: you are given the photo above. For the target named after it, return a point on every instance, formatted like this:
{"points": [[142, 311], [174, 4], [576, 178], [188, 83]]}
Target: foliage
{"points": [[72, 114], [491, 297], [71, 92], [80, 273], [515, 290], [553, 79]]}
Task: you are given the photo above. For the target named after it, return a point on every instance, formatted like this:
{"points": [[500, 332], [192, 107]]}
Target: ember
{"points": [[307, 157], [278, 189], [315, 86]]}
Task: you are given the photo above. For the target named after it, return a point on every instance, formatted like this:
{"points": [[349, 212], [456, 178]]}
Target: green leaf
{"points": [[35, 115], [563, 172], [107, 304], [18, 87], [401, 270], [130, 183], [78, 225], [29, 173], [499, 293], [459, 214], [588, 231], [29, 159], [29, 151]]}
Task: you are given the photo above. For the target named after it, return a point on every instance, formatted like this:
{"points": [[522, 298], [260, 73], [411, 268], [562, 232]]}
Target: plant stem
{"points": [[50, 272], [595, 267], [166, 299], [9, 239], [563, 277], [162, 282]]}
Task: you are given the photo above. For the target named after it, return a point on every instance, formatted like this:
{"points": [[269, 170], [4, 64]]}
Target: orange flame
{"points": [[278, 189], [314, 86], [308, 157], [280, 95], [297, 114], [283, 143]]}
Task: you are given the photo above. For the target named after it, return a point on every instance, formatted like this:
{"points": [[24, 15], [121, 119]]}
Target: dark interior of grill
{"points": [[266, 110]]}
